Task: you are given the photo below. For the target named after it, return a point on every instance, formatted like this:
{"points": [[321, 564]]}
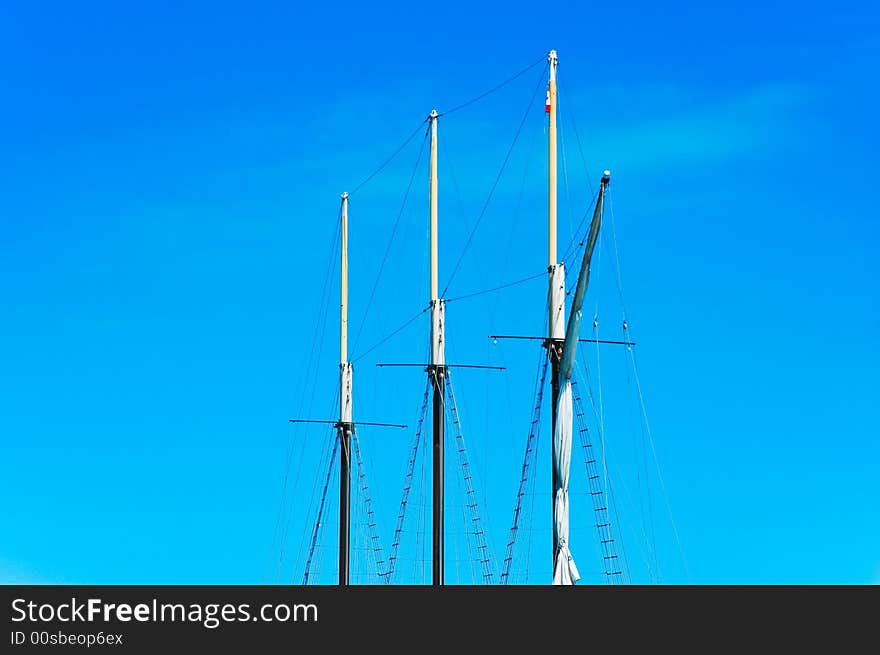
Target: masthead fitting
{"points": [[552, 58], [433, 114], [344, 195]]}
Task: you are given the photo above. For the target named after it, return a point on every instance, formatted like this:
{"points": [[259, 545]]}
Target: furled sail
{"points": [[564, 570]]}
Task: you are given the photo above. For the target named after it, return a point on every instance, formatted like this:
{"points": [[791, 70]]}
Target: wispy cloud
{"points": [[750, 123]]}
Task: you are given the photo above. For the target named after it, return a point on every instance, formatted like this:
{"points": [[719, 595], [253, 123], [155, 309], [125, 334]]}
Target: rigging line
{"points": [[467, 557], [580, 148], [354, 514], [479, 532], [601, 424], [571, 248], [318, 521], [390, 335], [320, 325], [457, 559], [599, 364], [530, 454], [278, 533], [646, 551], [619, 280], [565, 183], [421, 527], [357, 550], [650, 548], [325, 449], [657, 465], [407, 486], [456, 501], [370, 467], [576, 243], [483, 451], [613, 503], [325, 445], [517, 211], [627, 333], [446, 153], [390, 242], [499, 287], [322, 547], [582, 365], [600, 495], [531, 530], [375, 542], [616, 254], [496, 87], [422, 561], [649, 498], [385, 163], [318, 328], [542, 354], [495, 183]]}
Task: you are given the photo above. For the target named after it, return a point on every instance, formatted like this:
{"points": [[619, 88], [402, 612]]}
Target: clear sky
{"points": [[169, 197]]}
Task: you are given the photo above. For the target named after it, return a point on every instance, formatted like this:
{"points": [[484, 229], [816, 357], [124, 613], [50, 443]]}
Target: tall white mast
{"points": [[343, 301], [438, 357]]}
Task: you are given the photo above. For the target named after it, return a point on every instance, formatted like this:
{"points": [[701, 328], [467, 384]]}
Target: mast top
{"points": [[344, 195], [606, 176], [552, 58], [433, 114]]}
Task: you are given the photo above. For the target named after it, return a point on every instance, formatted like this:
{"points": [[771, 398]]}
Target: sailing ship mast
{"points": [[556, 295], [560, 341], [345, 426], [561, 348], [437, 374]]}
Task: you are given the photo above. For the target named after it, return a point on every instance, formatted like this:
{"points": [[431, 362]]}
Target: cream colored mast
{"points": [[556, 269], [438, 356], [345, 426], [343, 323], [345, 378], [437, 373], [556, 274]]}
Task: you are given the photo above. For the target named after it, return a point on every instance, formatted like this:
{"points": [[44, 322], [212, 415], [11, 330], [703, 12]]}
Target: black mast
{"points": [[345, 430], [438, 381], [554, 351]]}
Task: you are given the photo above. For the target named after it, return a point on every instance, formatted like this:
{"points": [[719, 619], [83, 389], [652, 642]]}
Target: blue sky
{"points": [[169, 200]]}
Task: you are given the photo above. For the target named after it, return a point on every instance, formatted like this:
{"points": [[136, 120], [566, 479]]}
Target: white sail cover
{"points": [[564, 570], [438, 349], [557, 302], [345, 382]]}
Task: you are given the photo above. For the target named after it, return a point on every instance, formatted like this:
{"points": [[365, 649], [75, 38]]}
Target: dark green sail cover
{"points": [[574, 317]]}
